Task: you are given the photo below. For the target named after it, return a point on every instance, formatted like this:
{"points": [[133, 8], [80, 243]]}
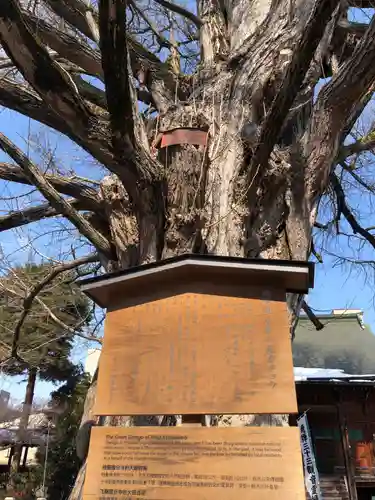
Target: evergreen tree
{"points": [[62, 465], [266, 162], [44, 342], [46, 334]]}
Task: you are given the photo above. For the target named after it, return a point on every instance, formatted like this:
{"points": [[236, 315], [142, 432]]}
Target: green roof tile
{"points": [[344, 343]]}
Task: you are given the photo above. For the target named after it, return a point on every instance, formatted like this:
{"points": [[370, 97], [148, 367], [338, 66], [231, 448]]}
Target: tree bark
{"points": [[24, 421], [253, 189], [212, 202]]}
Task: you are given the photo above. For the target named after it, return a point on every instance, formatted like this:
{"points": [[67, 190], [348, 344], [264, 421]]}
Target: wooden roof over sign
{"points": [[291, 276]]}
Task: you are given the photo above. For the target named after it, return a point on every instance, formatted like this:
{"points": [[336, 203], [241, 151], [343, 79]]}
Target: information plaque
{"points": [[177, 463], [198, 353]]}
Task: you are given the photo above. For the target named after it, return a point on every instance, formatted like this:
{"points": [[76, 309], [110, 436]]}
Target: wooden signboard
{"points": [[176, 463], [195, 353]]}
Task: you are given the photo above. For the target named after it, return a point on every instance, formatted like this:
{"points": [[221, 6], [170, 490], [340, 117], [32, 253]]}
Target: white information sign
{"points": [[310, 469]]}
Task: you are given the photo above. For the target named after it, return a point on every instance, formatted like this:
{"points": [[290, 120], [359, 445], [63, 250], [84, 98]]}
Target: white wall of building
{"points": [[92, 361]]}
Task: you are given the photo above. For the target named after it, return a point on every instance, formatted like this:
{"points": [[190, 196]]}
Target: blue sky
{"points": [[17, 246], [336, 286]]}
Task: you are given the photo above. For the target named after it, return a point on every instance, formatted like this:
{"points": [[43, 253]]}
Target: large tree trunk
{"points": [[253, 189], [209, 200], [213, 204]]}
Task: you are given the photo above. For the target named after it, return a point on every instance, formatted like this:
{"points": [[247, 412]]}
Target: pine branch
{"points": [[55, 199], [28, 301]]}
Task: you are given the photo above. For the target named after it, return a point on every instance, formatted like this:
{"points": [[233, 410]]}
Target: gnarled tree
{"points": [[259, 146]]}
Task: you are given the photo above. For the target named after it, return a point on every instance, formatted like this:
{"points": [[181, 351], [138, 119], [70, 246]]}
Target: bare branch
{"points": [[344, 41], [354, 114], [113, 44], [164, 42], [28, 301], [60, 93], [54, 198], [315, 253], [361, 4], [344, 209], [309, 313], [145, 96], [364, 144], [156, 75], [16, 96], [78, 52], [293, 79], [139, 52], [357, 177], [22, 217], [51, 82], [64, 185], [90, 92], [66, 327], [350, 27], [75, 13], [177, 9], [318, 225], [334, 107]]}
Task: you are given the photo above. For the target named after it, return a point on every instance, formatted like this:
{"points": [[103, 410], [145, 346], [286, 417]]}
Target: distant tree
{"points": [[43, 327], [63, 464]]}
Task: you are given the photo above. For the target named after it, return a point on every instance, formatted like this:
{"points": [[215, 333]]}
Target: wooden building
{"points": [[341, 414]]}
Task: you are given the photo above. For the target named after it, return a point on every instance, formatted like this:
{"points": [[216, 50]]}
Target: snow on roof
{"points": [[35, 434], [330, 375], [37, 421], [301, 374]]}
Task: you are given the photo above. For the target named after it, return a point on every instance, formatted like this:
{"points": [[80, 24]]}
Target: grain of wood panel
{"points": [[212, 463], [197, 353]]}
